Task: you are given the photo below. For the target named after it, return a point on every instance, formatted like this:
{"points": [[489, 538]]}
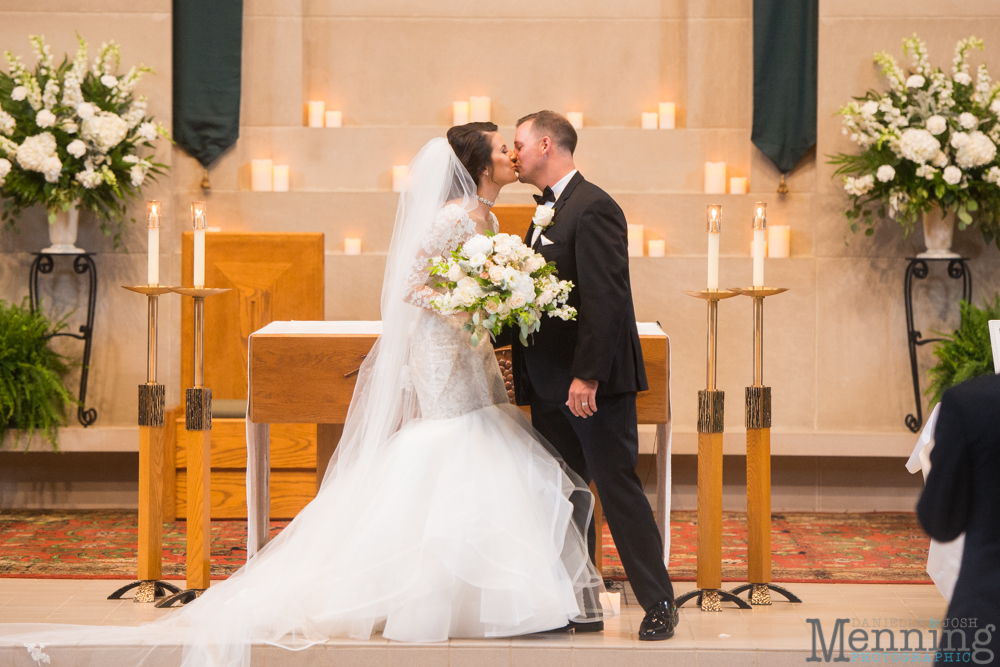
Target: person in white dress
{"points": [[443, 513]]}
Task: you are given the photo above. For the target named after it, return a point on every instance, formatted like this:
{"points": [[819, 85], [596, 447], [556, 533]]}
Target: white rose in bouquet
{"points": [[885, 173], [918, 145], [968, 121], [76, 148], [534, 263], [104, 131], [936, 124], [478, 245], [18, 93], [496, 274], [525, 286], [952, 175], [543, 216], [45, 118], [455, 272], [516, 300], [476, 261], [510, 274], [976, 151], [492, 306], [545, 298]]}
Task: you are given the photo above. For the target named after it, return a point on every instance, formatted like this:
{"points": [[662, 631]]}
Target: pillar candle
{"points": [[459, 113], [635, 238], [281, 178], [400, 173], [261, 173], [738, 185], [352, 246], [759, 239], [316, 110], [479, 109], [334, 119], [153, 209], [649, 120], [657, 247], [668, 111], [715, 178], [714, 225], [199, 220], [779, 241], [575, 119]]}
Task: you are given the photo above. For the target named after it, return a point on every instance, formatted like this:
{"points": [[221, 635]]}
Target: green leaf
{"points": [[964, 216], [939, 190], [972, 205], [967, 353]]}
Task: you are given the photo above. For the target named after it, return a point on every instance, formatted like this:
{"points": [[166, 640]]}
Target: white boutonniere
{"points": [[543, 216]]}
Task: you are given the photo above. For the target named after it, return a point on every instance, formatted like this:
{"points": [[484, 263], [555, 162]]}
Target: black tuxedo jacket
{"points": [[589, 246], [962, 493]]}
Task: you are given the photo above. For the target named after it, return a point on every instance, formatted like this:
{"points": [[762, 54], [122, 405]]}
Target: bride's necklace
{"points": [[486, 201]]}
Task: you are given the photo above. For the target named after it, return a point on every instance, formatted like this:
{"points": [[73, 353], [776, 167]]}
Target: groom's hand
{"points": [[583, 398]]}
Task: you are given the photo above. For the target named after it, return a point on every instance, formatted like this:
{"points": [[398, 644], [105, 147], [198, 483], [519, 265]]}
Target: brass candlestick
{"points": [[711, 418]]}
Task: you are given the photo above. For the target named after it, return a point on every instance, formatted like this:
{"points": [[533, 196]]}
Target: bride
{"points": [[443, 515]]}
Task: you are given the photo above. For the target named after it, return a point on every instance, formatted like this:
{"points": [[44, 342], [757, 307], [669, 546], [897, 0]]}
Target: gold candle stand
{"points": [[198, 417], [758, 424], [711, 417], [151, 453]]}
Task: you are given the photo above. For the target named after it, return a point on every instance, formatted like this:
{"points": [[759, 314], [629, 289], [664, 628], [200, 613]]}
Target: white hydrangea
{"points": [[885, 173], [147, 131], [995, 106], [137, 174], [76, 148], [45, 118], [959, 139], [963, 78], [89, 178], [51, 168], [859, 186], [918, 145], [70, 127], [109, 80], [993, 176], [18, 93], [926, 171], [940, 160], [968, 121], [33, 151], [915, 81], [952, 175], [977, 151], [7, 123], [104, 131], [5, 169], [85, 110], [936, 124]]}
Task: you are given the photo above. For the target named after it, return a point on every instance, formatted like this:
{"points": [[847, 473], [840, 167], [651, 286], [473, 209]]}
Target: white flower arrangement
{"points": [[931, 139], [502, 283], [71, 133]]}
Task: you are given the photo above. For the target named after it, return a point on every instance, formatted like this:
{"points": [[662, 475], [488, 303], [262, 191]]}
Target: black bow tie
{"points": [[546, 196]]}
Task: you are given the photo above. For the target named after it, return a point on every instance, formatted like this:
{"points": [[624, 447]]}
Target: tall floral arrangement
{"points": [[71, 134], [930, 139]]}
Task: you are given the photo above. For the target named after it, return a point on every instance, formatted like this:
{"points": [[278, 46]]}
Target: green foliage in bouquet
{"points": [[72, 133], [931, 139], [32, 394], [967, 353]]}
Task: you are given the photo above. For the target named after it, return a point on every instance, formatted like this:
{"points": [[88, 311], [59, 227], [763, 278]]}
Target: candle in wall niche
{"points": [[459, 113], [334, 118], [575, 119], [715, 178], [352, 246], [261, 173], [199, 220], [400, 173], [714, 225], [153, 210], [479, 109], [635, 238], [281, 178], [759, 241], [316, 113], [657, 248], [650, 120], [779, 239], [668, 115], [738, 185]]}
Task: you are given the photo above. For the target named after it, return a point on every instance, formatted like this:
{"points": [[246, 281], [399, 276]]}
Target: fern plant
{"points": [[967, 353], [33, 396]]}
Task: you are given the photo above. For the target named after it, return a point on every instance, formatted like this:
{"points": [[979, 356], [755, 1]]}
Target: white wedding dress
{"points": [[444, 514]]}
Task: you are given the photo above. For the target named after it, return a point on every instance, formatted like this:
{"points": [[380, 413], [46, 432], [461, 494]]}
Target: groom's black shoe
{"points": [[573, 626], [659, 623]]}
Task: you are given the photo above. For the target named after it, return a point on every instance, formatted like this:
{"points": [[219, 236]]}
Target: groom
{"points": [[581, 377]]}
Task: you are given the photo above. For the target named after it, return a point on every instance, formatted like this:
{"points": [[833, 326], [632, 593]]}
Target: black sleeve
{"points": [[602, 286], [945, 506]]}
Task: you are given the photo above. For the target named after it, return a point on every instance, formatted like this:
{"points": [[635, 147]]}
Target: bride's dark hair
{"points": [[471, 143]]}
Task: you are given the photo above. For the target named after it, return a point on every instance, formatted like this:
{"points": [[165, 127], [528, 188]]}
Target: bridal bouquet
{"points": [[931, 139], [70, 134], [502, 283]]}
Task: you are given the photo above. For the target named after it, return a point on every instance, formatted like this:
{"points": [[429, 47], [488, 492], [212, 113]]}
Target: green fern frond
{"points": [[967, 353]]}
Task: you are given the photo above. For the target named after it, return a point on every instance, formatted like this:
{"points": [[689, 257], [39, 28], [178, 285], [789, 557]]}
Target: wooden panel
{"points": [[199, 526], [151, 465], [514, 219], [652, 407], [292, 445], [759, 505], [270, 276], [169, 469], [290, 492], [710, 510]]}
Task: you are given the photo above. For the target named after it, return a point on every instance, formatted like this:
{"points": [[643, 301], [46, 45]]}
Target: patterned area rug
{"points": [[807, 547]]}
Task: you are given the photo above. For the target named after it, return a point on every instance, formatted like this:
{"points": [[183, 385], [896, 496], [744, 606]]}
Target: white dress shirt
{"points": [[557, 190]]}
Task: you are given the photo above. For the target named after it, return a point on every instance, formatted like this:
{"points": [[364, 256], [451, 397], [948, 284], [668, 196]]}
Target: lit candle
{"points": [[459, 113], [153, 259], [714, 231], [635, 237], [779, 239], [281, 178], [316, 112], [479, 109], [738, 185], [668, 111], [759, 239], [715, 178], [400, 173], [334, 119], [199, 220], [650, 120], [575, 119], [261, 173], [352, 246], [657, 248]]}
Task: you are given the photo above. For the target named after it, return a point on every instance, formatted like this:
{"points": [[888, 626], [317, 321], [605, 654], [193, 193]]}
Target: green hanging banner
{"points": [[208, 42], [785, 37]]}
